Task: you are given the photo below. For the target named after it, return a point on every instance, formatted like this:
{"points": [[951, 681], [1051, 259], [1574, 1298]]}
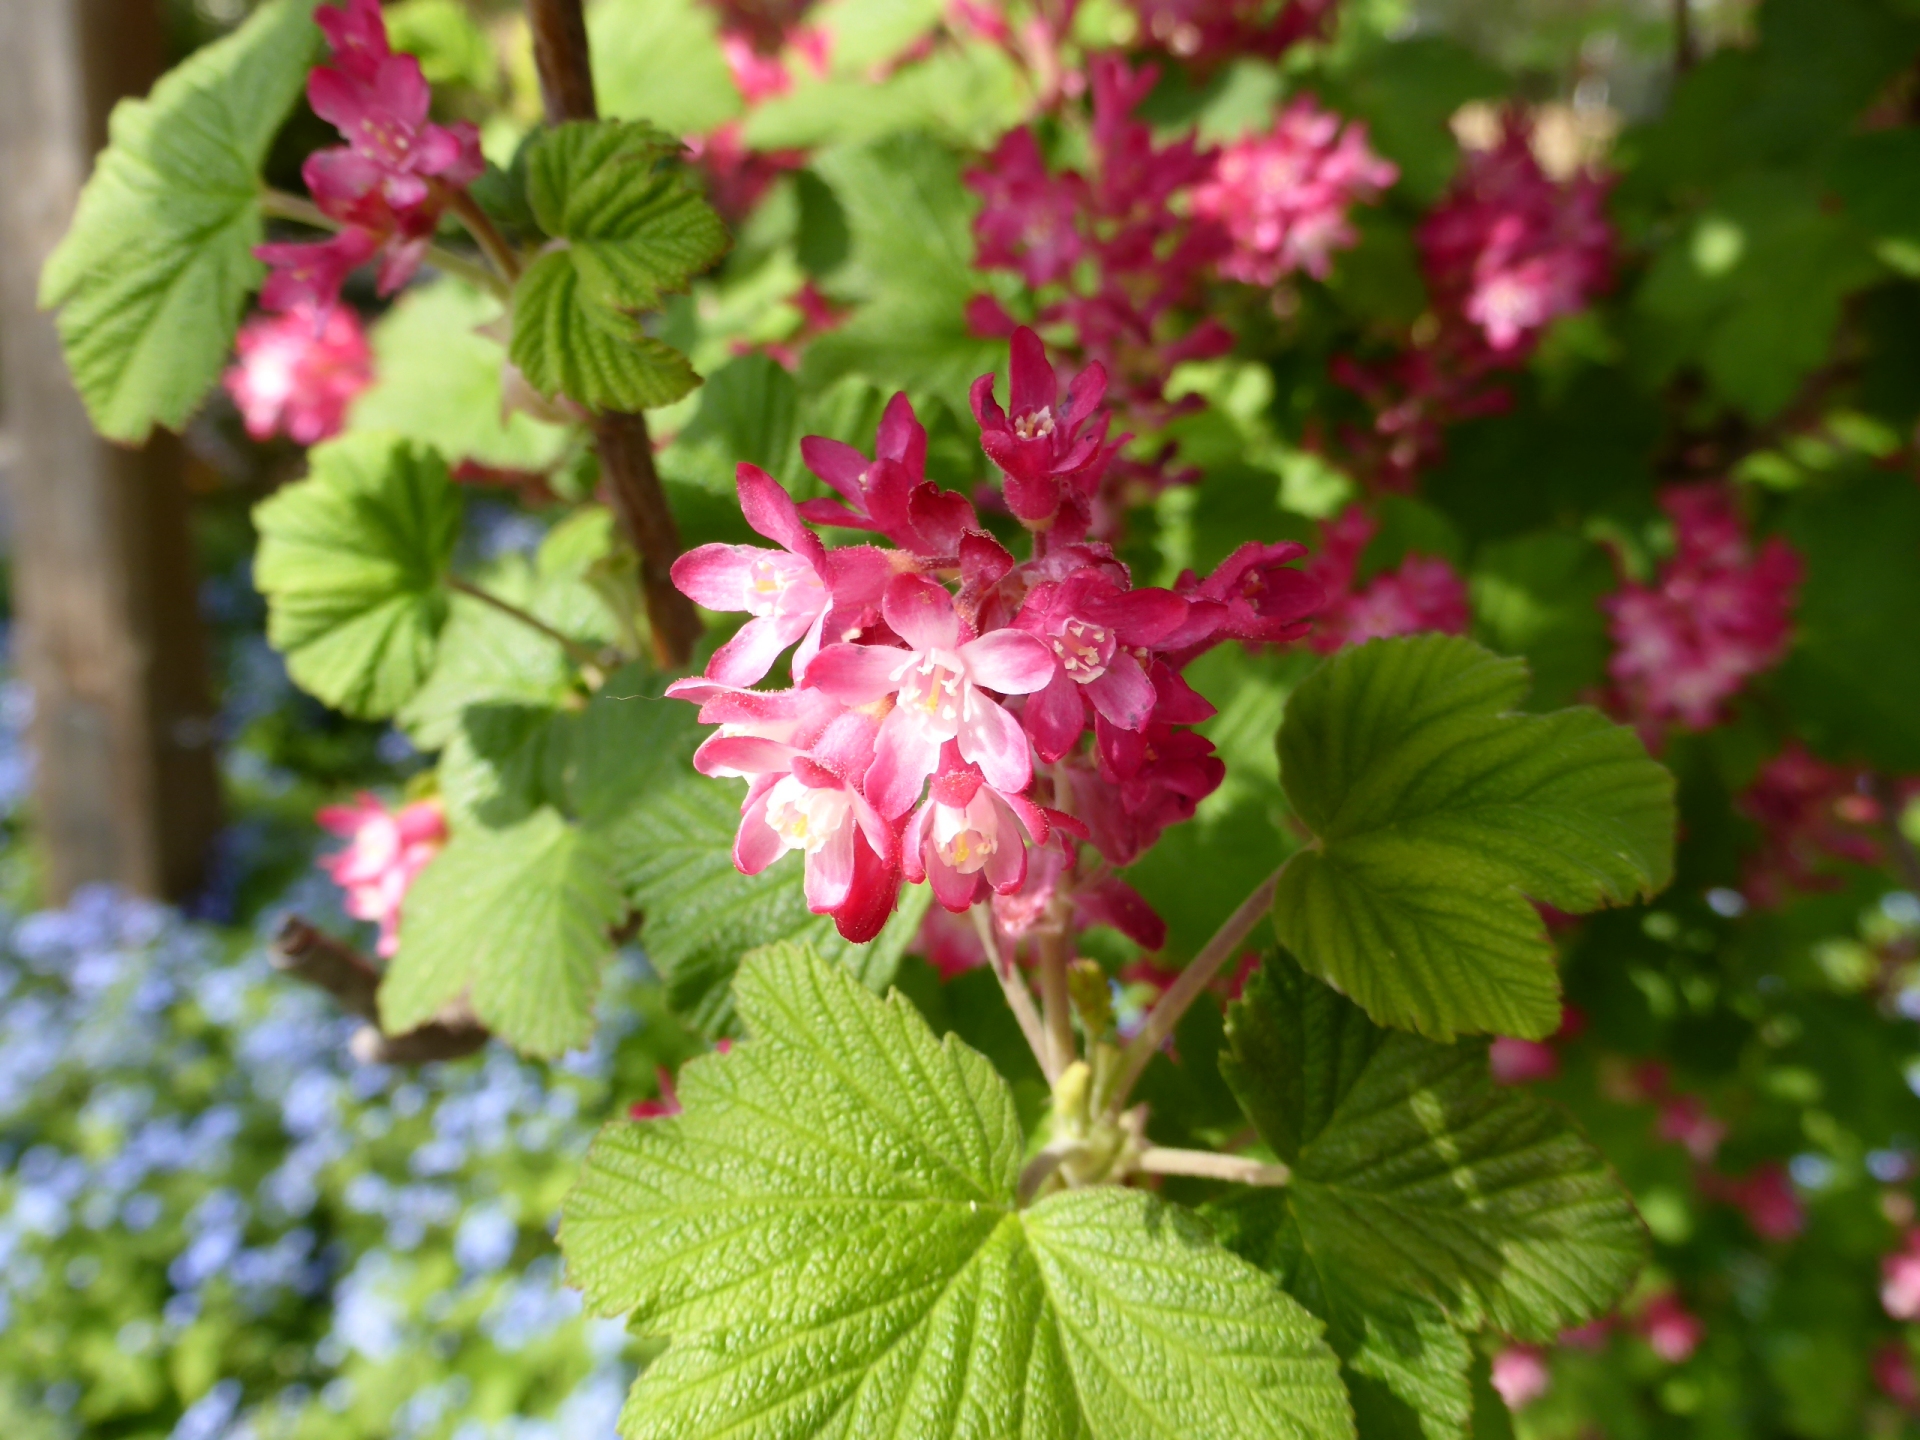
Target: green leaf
{"points": [[517, 920], [565, 345], [1421, 1193], [1852, 683], [660, 61], [352, 561], [911, 266], [153, 275], [1439, 815], [674, 851], [829, 1234], [749, 410], [1537, 596], [634, 233], [436, 379]]}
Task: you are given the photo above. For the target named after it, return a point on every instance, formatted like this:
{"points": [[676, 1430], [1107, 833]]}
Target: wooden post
{"points": [[107, 626]]}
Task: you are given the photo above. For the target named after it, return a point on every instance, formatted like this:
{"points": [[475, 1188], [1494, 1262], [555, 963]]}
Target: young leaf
{"points": [[829, 1234], [352, 561], [1439, 814], [517, 919], [1417, 1182], [633, 234], [153, 274]]}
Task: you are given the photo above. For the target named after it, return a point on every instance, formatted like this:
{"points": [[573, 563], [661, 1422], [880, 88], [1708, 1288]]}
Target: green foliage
{"points": [[353, 564], [151, 278], [634, 233], [516, 920], [909, 264], [857, 1178], [1439, 814], [436, 380], [660, 61]]}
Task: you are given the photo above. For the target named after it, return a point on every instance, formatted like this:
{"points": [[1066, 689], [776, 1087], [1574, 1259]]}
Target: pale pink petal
{"points": [[993, 740], [750, 654], [741, 756], [855, 674], [755, 846], [921, 613], [955, 891], [830, 871], [1010, 661], [718, 577], [902, 759]]}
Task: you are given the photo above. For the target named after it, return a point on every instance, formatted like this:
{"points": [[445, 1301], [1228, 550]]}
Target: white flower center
{"points": [[1085, 650], [803, 817], [1035, 425], [934, 691]]}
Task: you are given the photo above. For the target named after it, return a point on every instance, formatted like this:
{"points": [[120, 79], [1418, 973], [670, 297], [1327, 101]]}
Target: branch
{"points": [[1685, 51], [1159, 1160], [624, 445], [306, 952], [1015, 988], [1225, 944], [280, 204], [581, 655]]}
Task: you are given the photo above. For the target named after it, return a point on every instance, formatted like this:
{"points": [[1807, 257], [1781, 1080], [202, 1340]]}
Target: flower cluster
{"points": [[1505, 253], [943, 688], [389, 184], [1718, 613], [1283, 197], [1900, 1279], [1114, 259], [386, 850], [1811, 813], [1205, 33], [1423, 593], [298, 372], [761, 45], [1510, 249]]}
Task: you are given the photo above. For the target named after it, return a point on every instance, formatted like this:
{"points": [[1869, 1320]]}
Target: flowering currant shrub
{"points": [[1254, 703]]}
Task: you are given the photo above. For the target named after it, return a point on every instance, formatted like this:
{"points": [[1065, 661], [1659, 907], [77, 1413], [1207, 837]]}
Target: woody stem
{"points": [[1213, 957]]}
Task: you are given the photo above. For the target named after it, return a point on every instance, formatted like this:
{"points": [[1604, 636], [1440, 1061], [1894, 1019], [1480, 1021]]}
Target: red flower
{"points": [[1424, 593]]}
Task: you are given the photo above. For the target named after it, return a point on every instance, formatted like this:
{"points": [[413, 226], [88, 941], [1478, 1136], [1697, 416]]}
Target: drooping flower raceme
{"points": [[1423, 593], [1283, 197], [389, 184], [1718, 613], [930, 677], [298, 372], [386, 850]]}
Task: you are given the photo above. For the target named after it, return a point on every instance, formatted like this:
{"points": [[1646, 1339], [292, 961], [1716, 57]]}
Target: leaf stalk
{"points": [[283, 206], [1015, 989]]}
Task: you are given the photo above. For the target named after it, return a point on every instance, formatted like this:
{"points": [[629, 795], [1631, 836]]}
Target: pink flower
{"points": [[940, 686], [1046, 451], [1254, 596], [1685, 1121], [966, 837], [1511, 249], [1521, 1062], [1670, 1328], [298, 372], [1766, 1196], [1811, 814], [1099, 633], [1283, 197], [792, 593], [1211, 32], [1520, 1374], [1424, 593], [1718, 613], [805, 795], [392, 181], [1893, 1372], [756, 76], [890, 493], [665, 1103], [1900, 1279], [386, 850]]}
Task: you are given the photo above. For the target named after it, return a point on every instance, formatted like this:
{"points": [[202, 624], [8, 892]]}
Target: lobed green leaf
{"points": [[828, 1233], [352, 562], [153, 275], [1439, 816]]}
